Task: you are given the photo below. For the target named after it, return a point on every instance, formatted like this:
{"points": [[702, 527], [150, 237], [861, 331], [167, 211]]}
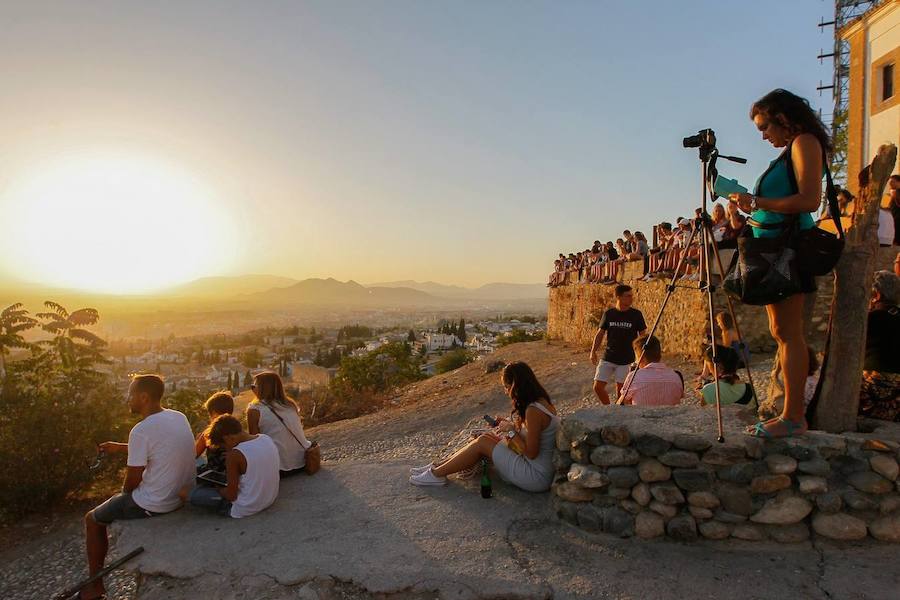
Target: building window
{"points": [[887, 82]]}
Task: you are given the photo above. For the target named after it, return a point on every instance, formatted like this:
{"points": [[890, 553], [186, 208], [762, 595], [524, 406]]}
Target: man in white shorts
{"points": [[621, 325]]}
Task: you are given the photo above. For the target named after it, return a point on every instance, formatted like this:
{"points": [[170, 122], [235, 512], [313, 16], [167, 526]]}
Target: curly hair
{"points": [[794, 114]]}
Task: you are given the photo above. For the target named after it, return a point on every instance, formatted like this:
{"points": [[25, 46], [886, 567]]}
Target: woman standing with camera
{"points": [[785, 194]]}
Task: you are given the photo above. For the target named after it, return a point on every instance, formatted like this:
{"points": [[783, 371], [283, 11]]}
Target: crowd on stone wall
{"points": [[603, 263]]}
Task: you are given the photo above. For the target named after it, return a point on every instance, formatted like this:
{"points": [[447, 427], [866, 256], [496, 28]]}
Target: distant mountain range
{"points": [[271, 291]]}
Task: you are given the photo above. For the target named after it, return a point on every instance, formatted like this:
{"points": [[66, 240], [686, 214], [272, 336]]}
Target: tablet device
{"points": [[724, 186], [213, 477]]}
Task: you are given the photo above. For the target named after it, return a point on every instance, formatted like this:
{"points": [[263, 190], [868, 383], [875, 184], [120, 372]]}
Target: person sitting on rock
{"points": [[251, 467], [273, 413], [879, 396], [731, 389], [220, 403], [160, 462], [653, 383], [526, 458]]}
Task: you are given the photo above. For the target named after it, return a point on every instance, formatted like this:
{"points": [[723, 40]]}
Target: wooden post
{"points": [[839, 400]]}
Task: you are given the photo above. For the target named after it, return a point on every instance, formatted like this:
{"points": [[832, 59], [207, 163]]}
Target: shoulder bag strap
{"points": [[277, 416], [830, 191]]}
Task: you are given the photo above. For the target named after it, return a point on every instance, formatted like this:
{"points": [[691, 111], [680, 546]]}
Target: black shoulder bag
{"points": [[767, 270]]}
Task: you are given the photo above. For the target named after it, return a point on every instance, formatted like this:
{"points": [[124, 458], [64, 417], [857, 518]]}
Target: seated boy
{"points": [[220, 403], [252, 466]]}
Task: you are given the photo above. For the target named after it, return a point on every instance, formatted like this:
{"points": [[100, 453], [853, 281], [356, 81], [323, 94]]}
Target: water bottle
{"points": [[486, 491]]}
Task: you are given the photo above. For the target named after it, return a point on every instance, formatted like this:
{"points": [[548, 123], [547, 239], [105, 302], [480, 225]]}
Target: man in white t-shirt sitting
{"points": [[160, 453], [654, 383]]}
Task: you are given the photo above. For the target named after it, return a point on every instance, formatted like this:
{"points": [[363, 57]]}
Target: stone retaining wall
{"points": [[654, 472]]}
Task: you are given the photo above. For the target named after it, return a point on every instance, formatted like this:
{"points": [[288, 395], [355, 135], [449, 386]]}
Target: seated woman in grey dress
{"points": [[521, 448]]}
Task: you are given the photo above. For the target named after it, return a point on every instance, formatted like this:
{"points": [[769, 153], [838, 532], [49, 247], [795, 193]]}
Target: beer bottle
{"points": [[486, 491]]}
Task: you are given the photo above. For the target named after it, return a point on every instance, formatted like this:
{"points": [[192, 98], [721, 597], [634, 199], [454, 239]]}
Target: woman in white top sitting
{"points": [[251, 466], [277, 416], [526, 458]]}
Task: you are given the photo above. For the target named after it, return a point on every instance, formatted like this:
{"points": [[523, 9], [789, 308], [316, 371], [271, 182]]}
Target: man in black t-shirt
{"points": [[622, 324]]}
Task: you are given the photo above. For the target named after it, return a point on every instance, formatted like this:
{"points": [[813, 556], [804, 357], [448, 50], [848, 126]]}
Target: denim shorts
{"points": [[120, 507], [209, 497]]}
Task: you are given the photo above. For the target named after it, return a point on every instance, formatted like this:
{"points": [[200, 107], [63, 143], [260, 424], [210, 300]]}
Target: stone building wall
{"points": [[574, 310], [655, 472]]}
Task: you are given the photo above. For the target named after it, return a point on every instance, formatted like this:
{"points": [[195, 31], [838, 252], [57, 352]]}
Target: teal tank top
{"points": [[777, 181]]}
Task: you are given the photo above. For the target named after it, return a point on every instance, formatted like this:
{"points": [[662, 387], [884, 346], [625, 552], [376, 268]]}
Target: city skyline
{"points": [[463, 144]]}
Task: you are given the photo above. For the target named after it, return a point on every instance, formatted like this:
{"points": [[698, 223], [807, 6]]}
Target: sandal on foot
{"points": [[792, 429]]}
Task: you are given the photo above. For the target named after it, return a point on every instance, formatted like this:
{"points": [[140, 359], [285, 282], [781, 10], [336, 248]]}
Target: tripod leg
{"points": [[669, 290], [745, 356], [706, 239]]}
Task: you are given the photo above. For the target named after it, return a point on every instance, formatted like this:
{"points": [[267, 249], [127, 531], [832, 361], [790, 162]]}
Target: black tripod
{"points": [[705, 141]]}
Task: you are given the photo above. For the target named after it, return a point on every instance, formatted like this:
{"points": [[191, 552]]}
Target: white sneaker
{"points": [[420, 470], [427, 478]]}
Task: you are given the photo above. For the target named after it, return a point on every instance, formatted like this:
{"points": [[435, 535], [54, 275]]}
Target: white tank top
{"points": [[293, 455], [258, 487]]}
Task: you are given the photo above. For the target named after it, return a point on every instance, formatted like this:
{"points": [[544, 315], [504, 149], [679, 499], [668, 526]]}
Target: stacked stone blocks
{"points": [[629, 481]]}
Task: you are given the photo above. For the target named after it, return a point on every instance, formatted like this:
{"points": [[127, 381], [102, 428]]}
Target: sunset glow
{"points": [[112, 224]]}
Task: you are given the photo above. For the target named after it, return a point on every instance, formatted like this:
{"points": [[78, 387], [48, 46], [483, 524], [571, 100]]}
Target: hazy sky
{"points": [[462, 142]]}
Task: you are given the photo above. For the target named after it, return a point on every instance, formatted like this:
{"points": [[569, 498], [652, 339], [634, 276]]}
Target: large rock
{"points": [[572, 492], [700, 513], [562, 461], [748, 532], [829, 502], [724, 516], [872, 483], [648, 525], [580, 453], [693, 480], [618, 522], [590, 519], [783, 511], [859, 501], [619, 493], [617, 436], [703, 500], [779, 464], [889, 504], [839, 526], [666, 510], [587, 476], [667, 493], [641, 494], [722, 455], [682, 527], [816, 466], [714, 530], [680, 458], [735, 499], [885, 465], [614, 456], [563, 443], [651, 470], [767, 484], [651, 445], [631, 506], [847, 465], [692, 443], [743, 472], [568, 512], [886, 529], [810, 484], [623, 477], [789, 534]]}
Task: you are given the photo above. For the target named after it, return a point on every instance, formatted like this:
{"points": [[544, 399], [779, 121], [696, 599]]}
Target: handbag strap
{"points": [[834, 208], [277, 416]]}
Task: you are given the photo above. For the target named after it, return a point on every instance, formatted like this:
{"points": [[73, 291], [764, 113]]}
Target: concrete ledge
{"points": [[655, 472]]}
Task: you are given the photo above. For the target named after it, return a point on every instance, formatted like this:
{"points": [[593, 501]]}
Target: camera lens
{"points": [[692, 141]]}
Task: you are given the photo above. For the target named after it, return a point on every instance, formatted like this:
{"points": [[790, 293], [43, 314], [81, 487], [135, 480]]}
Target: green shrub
{"points": [[453, 360]]}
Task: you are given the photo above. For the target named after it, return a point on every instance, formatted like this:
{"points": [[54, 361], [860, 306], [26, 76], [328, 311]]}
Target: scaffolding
{"points": [[845, 11]]}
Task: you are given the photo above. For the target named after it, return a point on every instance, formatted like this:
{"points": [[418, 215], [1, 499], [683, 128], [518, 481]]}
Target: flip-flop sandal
{"points": [[792, 429]]}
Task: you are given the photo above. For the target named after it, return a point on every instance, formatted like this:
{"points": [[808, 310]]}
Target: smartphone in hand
{"points": [[491, 420]]}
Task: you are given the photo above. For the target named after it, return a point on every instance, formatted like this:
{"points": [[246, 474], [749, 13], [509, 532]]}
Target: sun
{"points": [[113, 224]]}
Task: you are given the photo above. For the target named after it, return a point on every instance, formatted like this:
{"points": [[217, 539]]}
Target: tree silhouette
{"points": [[13, 321], [77, 347]]}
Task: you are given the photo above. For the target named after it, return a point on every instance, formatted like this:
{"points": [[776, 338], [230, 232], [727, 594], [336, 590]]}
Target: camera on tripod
{"points": [[705, 138]]}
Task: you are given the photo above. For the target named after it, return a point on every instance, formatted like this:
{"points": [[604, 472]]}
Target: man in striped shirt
{"points": [[653, 383]]}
